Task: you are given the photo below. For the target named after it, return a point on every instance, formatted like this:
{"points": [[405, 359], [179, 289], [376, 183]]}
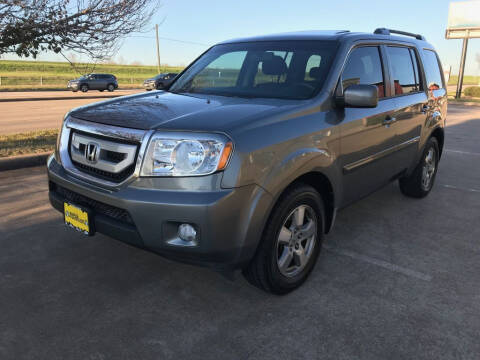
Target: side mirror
{"points": [[362, 96]]}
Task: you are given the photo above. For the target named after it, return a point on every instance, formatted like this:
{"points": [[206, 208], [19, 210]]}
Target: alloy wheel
{"points": [[428, 169], [296, 240]]}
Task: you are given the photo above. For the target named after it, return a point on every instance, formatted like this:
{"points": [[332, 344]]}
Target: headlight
{"points": [[186, 154]]}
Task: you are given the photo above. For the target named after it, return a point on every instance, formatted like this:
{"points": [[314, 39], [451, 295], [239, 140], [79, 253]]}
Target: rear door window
{"points": [[403, 71], [364, 67], [432, 70]]}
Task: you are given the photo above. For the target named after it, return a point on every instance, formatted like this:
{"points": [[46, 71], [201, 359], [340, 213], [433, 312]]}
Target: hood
{"points": [[164, 110]]}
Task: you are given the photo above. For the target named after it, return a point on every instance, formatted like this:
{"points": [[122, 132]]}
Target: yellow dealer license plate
{"points": [[76, 218]]}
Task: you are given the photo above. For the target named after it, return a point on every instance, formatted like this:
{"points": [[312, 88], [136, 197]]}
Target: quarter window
{"points": [[432, 70], [364, 67], [403, 72]]}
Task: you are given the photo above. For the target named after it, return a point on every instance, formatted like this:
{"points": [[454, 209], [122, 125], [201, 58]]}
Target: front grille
{"points": [[112, 152], [97, 206], [105, 175]]}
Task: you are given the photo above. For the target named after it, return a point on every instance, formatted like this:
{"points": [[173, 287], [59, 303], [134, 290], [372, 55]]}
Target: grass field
{"points": [[35, 75], [28, 143], [467, 80], [43, 75]]}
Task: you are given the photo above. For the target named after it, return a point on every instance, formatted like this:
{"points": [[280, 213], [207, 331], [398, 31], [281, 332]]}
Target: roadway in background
{"points": [[24, 116]]}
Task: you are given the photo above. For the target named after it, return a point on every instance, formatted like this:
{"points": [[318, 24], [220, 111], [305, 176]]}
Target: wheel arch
{"points": [[439, 134], [320, 182]]}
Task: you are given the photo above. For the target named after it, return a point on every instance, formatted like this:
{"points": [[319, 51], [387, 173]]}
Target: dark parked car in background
{"points": [[159, 82], [244, 161], [98, 82]]}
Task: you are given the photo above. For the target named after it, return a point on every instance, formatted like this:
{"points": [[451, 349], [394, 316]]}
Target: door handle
{"points": [[389, 120]]}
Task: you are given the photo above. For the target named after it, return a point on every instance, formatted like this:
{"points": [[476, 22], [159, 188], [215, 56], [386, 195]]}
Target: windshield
{"points": [[274, 69]]}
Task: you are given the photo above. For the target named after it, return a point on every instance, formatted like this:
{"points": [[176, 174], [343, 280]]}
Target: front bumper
{"points": [[149, 86], [146, 214]]}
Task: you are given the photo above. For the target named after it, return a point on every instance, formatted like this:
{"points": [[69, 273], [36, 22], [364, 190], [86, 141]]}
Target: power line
{"points": [[170, 39]]}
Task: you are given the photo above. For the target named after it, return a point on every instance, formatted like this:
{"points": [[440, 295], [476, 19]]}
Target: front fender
{"points": [[296, 164]]}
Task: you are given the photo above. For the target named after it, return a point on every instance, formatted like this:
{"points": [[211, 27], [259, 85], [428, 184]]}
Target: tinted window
{"points": [[271, 69], [364, 67], [402, 70], [432, 70]]}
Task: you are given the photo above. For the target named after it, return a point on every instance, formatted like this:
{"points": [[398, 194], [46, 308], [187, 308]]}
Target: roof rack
{"points": [[384, 31]]}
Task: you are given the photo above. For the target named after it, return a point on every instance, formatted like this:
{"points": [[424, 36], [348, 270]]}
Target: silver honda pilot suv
{"points": [[244, 160]]}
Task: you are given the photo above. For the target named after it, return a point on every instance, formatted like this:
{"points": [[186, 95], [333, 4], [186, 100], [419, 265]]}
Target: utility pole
{"points": [[158, 49], [462, 68]]}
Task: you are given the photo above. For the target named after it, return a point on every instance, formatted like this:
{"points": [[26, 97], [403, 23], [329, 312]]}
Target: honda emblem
{"points": [[91, 152]]}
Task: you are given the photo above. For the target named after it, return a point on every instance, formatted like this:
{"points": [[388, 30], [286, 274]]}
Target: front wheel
{"points": [[84, 88], [420, 182], [110, 87], [291, 242]]}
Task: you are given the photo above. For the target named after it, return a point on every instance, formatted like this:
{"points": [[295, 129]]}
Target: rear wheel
{"points": [[84, 88], [291, 242], [420, 182], [110, 87]]}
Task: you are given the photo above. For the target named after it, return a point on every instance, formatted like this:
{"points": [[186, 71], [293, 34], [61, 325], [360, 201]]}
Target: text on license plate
{"points": [[76, 218]]}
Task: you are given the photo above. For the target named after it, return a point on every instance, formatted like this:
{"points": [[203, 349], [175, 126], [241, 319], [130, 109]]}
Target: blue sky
{"points": [[210, 21]]}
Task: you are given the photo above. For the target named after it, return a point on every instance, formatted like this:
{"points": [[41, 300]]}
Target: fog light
{"points": [[187, 232]]}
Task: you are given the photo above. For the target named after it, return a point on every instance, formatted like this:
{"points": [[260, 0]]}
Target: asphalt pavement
{"points": [[24, 116], [398, 278]]}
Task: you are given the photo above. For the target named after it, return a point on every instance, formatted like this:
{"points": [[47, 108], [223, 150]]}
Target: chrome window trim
{"points": [[113, 132]]}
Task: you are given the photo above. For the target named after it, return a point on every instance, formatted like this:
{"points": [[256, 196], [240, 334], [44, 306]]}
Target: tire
{"points": [[421, 180], [110, 87], [84, 88], [265, 270], [101, 90], [74, 90], [148, 89]]}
